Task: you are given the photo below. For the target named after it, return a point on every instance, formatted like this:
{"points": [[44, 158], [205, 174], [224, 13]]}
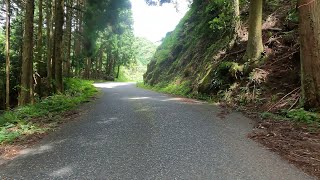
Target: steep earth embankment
{"points": [[188, 53], [197, 57]]}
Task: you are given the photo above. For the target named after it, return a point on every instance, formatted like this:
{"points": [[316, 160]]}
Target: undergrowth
{"points": [[296, 115], [182, 89], [18, 121]]}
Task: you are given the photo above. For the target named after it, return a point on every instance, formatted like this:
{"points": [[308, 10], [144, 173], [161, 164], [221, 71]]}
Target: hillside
{"points": [[197, 54], [187, 54], [200, 59]]}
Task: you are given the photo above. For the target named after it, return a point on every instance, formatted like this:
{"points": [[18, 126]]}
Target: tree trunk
{"points": [[118, 72], [58, 33], [110, 65], [100, 65], [53, 41], [309, 14], [255, 46], [236, 10], [49, 13], [41, 66], [7, 54], [88, 68], [114, 66], [236, 22], [68, 34], [48, 19], [78, 40], [26, 76]]}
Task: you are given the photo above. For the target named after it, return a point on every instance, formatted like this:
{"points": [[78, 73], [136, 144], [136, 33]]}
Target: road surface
{"points": [[131, 133]]}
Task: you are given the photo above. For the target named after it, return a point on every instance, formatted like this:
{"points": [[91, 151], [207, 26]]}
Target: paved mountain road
{"points": [[131, 133]]}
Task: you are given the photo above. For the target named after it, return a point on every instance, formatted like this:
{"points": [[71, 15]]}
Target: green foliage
{"points": [[296, 115], [189, 49], [17, 122], [125, 76], [100, 14], [293, 16], [177, 89], [224, 18], [9, 132], [301, 115], [269, 115], [225, 74], [182, 89], [144, 51]]}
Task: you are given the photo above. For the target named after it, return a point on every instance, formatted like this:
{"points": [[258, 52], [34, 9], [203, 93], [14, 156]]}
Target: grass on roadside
{"points": [[180, 90], [18, 122], [294, 115]]}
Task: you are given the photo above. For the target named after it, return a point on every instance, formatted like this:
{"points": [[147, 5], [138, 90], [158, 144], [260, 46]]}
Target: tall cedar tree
{"points": [[41, 65], [255, 46], [7, 54], [49, 38], [309, 13], [27, 55], [58, 44], [68, 38]]}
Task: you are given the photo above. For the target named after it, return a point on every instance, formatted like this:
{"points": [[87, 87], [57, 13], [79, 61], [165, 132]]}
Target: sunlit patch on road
{"points": [[109, 120], [138, 98], [62, 172], [110, 85], [184, 100]]}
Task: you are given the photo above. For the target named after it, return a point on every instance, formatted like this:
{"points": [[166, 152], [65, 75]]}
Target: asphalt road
{"points": [[131, 133]]}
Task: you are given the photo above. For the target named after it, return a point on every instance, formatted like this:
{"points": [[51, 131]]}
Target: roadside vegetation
{"points": [[44, 115]]}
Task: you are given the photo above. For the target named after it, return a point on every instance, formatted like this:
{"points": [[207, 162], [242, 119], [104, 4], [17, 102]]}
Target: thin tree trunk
{"points": [[236, 22], [107, 64], [114, 66], [100, 65], [88, 68], [53, 41], [49, 40], [7, 54], [236, 9], [58, 34], [309, 14], [27, 54], [255, 46], [41, 68], [41, 64], [78, 40], [68, 34], [110, 65], [118, 72]]}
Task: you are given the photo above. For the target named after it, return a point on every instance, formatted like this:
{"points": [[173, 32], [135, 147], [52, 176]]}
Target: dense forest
{"points": [[44, 42]]}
